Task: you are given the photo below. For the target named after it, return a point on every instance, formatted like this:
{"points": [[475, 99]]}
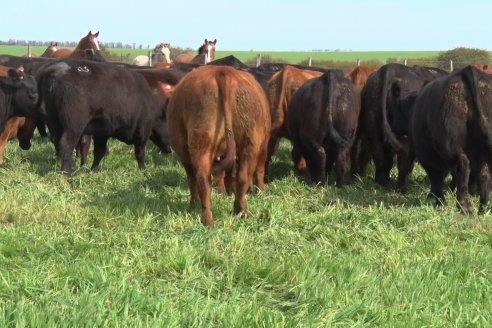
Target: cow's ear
{"points": [[13, 76]]}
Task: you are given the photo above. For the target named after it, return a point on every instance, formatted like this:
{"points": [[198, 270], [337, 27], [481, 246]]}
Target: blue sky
{"points": [[258, 25]]}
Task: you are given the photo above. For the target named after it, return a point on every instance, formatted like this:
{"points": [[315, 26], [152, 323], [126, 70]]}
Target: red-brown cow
{"points": [[359, 75], [218, 121], [21, 128], [280, 88]]}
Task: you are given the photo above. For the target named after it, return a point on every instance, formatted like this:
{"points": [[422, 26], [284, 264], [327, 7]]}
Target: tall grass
{"points": [[122, 248]]}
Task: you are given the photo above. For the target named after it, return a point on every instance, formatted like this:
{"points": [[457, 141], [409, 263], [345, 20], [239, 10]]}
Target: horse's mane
{"points": [[201, 48]]}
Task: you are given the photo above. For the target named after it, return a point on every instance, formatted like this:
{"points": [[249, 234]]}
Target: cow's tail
{"points": [[339, 140], [225, 95], [388, 135], [46, 80], [276, 104], [470, 78]]}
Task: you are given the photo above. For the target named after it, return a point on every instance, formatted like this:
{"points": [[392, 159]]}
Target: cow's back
{"points": [[193, 107]]}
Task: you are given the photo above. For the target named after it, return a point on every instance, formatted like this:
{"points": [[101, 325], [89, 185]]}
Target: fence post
{"points": [[29, 50], [309, 61], [150, 58], [405, 62], [258, 60], [451, 68], [358, 61]]}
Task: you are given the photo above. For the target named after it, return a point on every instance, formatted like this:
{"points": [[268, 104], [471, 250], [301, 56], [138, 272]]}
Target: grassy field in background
{"points": [[122, 248], [293, 57]]}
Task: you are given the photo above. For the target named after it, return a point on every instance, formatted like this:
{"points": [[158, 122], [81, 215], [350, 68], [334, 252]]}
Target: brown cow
{"points": [[218, 121], [280, 89], [484, 68], [16, 127], [359, 75], [21, 128]]}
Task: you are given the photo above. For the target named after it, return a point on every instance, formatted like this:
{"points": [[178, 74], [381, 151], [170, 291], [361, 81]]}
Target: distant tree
{"points": [[462, 57]]}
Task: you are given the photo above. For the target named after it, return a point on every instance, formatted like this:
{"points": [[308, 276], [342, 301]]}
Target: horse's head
{"points": [[89, 42], [88, 48], [52, 48], [208, 50], [162, 50]]}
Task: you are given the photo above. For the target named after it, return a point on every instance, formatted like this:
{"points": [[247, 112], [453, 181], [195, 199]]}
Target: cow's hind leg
{"points": [[190, 174], [383, 161], [299, 162], [484, 186], [203, 173], [462, 176], [66, 147], [82, 149], [406, 160], [342, 166], [315, 156], [436, 177], [140, 153], [247, 163], [261, 167], [100, 146]]}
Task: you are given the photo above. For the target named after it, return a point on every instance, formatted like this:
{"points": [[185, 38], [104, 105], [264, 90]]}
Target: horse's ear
{"points": [[97, 34], [215, 41], [90, 32], [205, 41]]}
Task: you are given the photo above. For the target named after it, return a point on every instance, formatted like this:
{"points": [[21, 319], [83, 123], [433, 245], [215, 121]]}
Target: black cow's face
{"points": [[26, 95]]}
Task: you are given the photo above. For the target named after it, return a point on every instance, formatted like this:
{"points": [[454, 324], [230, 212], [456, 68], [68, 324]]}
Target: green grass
{"points": [[293, 57], [122, 248]]}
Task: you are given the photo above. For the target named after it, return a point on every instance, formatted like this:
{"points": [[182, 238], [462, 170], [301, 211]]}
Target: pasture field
{"points": [[122, 248], [292, 57]]}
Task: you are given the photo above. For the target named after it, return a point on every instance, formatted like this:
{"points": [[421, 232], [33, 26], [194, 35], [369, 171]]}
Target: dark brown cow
{"points": [[280, 89], [322, 121], [218, 120], [102, 100], [380, 97], [451, 131], [16, 127], [18, 94]]}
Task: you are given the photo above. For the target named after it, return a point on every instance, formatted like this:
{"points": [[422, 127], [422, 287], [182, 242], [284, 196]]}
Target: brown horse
{"points": [[206, 54], [87, 48]]}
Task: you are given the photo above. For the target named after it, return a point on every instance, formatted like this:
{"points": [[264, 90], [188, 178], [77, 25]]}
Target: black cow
{"points": [[18, 96], [322, 121], [380, 98], [102, 100], [452, 132]]}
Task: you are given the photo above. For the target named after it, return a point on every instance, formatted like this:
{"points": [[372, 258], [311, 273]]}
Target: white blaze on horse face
{"points": [[207, 56], [167, 54], [96, 43]]}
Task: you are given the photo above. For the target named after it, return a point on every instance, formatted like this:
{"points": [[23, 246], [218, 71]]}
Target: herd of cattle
{"points": [[225, 119]]}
